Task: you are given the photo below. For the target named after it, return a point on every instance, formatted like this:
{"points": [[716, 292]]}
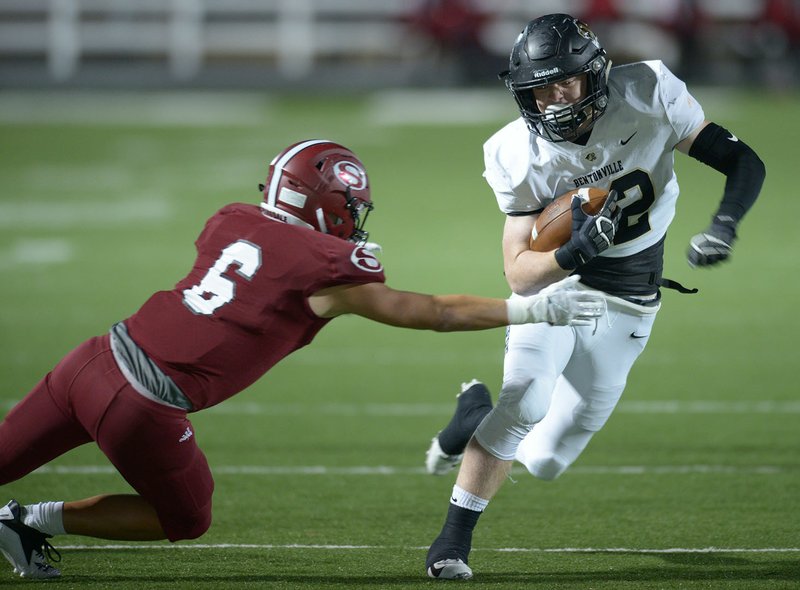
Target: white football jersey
{"points": [[630, 149]]}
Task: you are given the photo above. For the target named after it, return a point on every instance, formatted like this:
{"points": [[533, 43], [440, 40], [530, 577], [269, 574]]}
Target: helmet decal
{"points": [[350, 174], [548, 72], [584, 30], [290, 197]]}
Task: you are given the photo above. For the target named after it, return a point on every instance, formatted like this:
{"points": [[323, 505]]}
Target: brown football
{"points": [[553, 227]]}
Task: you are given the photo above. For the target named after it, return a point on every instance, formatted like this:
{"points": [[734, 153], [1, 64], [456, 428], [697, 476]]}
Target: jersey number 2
{"points": [[215, 290], [636, 196]]}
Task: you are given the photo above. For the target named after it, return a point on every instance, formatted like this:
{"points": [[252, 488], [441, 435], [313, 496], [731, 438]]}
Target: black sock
{"points": [[472, 407], [455, 540]]}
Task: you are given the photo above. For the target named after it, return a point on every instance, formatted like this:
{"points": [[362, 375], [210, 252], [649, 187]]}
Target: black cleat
{"points": [[448, 555], [447, 447]]}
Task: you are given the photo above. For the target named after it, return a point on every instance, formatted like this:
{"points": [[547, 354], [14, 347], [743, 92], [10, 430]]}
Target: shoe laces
{"points": [[49, 551], [44, 552]]}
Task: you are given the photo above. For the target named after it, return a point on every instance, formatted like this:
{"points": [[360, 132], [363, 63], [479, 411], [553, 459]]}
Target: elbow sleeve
{"points": [[720, 149]]}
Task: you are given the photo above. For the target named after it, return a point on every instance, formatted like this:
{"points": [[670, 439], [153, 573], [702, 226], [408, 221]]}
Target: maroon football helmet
{"points": [[320, 185]]}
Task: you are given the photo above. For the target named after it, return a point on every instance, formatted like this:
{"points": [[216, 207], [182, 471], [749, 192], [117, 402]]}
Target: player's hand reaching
{"points": [[712, 246], [591, 234], [560, 304]]}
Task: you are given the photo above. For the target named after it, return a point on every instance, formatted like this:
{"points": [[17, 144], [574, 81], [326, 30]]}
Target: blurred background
{"points": [[363, 44]]}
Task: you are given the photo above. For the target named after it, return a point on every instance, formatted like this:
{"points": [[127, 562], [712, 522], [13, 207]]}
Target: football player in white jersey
{"points": [[582, 123]]}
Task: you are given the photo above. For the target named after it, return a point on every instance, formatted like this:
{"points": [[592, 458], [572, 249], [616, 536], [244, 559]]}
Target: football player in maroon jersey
{"points": [[266, 279]]}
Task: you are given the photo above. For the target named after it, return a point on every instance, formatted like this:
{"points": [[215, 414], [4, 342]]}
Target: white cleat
{"points": [[437, 462], [24, 547], [450, 569]]}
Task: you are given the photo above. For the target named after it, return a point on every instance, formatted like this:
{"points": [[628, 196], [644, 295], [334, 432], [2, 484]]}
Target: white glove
{"points": [[559, 304]]}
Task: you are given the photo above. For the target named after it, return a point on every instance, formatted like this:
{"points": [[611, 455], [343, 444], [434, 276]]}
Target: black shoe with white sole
{"points": [[447, 447]]}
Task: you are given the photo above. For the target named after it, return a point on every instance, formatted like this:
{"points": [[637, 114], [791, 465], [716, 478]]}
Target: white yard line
{"points": [[29, 252], [428, 409], [246, 109], [203, 108], [283, 470], [709, 407], [253, 408], [440, 107], [140, 109], [269, 546], [70, 214]]}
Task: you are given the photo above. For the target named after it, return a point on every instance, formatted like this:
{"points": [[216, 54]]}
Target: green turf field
{"points": [[694, 482]]}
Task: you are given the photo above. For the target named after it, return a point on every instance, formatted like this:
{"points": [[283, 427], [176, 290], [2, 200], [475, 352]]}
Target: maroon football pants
{"points": [[85, 398]]}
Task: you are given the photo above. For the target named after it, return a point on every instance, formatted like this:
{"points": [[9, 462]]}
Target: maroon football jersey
{"points": [[244, 307]]}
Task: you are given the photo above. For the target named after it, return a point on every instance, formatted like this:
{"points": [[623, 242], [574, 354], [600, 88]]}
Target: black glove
{"points": [[712, 246], [591, 234]]}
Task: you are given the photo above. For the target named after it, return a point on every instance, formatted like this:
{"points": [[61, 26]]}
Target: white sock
{"points": [[464, 499], [47, 517]]}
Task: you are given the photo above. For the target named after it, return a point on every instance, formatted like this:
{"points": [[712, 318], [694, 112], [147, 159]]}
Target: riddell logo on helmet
{"points": [[350, 175], [548, 72]]}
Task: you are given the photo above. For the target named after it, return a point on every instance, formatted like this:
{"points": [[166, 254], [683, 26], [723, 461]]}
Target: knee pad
{"points": [[521, 404], [546, 467], [528, 400], [592, 414]]}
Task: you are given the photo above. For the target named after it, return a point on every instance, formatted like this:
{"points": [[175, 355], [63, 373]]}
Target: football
{"points": [[553, 227]]}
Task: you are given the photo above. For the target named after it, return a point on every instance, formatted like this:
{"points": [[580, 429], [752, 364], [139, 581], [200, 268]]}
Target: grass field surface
{"points": [[694, 483]]}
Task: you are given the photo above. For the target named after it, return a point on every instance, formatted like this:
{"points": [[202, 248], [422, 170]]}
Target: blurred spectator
{"points": [[455, 27], [748, 41], [342, 43], [637, 30]]}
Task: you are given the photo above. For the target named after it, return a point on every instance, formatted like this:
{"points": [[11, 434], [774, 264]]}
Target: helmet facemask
{"points": [[360, 211]]}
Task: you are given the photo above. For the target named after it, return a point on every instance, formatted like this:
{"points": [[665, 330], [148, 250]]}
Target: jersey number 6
{"points": [[215, 290]]}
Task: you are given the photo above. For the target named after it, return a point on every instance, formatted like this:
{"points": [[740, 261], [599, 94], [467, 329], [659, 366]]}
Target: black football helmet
{"points": [[550, 49], [321, 185]]}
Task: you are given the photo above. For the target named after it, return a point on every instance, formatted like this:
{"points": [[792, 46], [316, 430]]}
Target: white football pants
{"points": [[560, 385]]}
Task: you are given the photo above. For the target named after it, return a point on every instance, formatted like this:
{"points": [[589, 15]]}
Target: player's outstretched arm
{"points": [[560, 304]]}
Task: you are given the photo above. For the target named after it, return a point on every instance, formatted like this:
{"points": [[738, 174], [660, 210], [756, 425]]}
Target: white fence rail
{"points": [[293, 39]]}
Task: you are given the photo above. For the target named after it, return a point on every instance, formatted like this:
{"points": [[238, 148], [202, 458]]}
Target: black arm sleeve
{"points": [[719, 148]]}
